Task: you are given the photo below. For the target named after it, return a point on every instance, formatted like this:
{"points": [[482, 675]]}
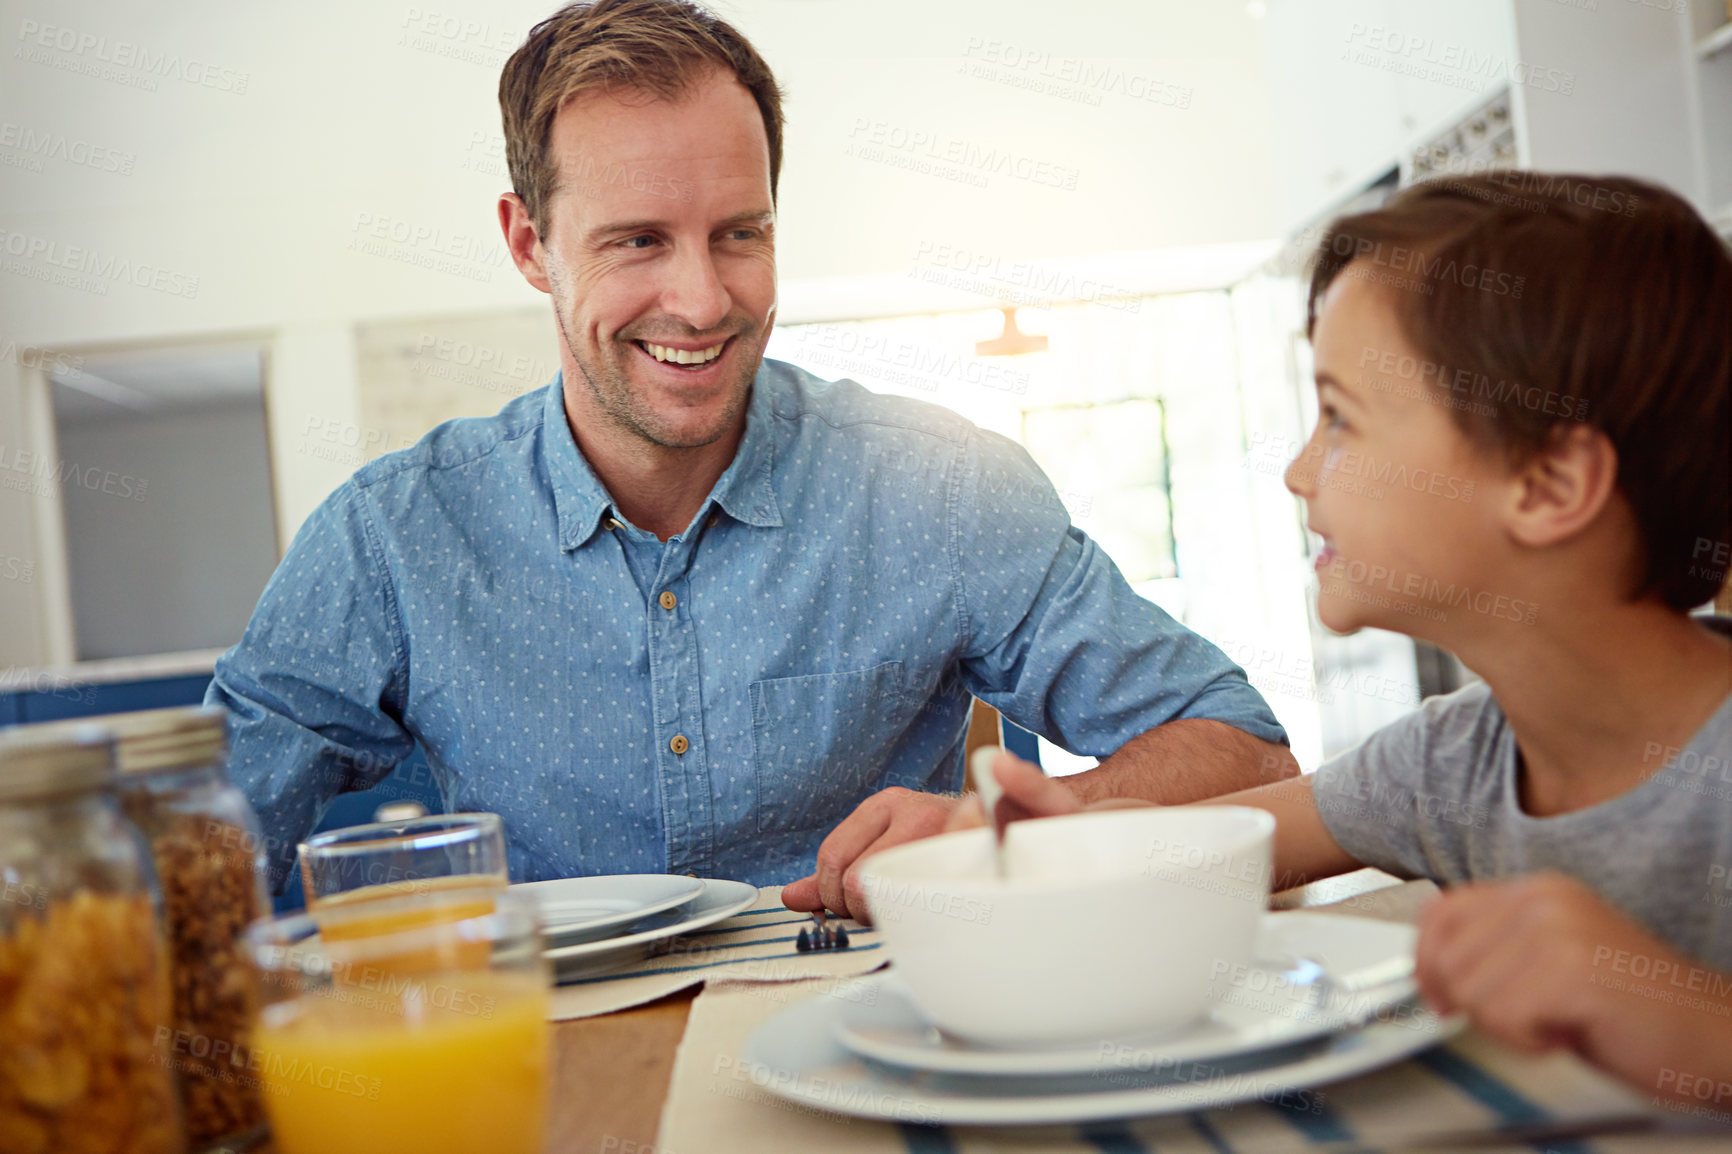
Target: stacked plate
{"points": [[599, 924], [1330, 997]]}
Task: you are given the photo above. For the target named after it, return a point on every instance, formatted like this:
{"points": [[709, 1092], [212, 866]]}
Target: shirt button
{"points": [[668, 600], [679, 744]]}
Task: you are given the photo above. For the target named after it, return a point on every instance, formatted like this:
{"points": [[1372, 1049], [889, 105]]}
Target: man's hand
{"points": [[1181, 761], [889, 817], [894, 816], [1542, 962]]}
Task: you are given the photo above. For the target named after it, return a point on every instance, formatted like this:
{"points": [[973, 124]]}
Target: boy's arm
{"points": [[1304, 848], [1400, 800], [1542, 961]]}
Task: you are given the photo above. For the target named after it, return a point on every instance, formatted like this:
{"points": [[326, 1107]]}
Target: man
{"points": [[685, 608]]}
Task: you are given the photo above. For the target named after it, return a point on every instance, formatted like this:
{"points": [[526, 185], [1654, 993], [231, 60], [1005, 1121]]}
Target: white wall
{"points": [[258, 194], [237, 202]]}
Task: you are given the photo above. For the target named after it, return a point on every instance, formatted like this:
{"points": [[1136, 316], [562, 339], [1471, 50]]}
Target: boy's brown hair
{"points": [[1539, 300], [654, 46]]}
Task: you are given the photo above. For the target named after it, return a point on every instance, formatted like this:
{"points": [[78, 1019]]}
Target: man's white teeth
{"points": [[685, 356]]}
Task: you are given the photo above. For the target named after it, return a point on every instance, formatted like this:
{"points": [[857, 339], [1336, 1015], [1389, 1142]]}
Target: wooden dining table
{"points": [[611, 1072]]}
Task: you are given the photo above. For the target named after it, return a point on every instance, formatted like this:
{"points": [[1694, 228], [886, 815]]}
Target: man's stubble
{"points": [[611, 388]]}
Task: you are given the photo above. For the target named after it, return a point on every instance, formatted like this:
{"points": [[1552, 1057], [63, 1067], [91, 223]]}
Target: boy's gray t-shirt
{"points": [[1434, 795]]}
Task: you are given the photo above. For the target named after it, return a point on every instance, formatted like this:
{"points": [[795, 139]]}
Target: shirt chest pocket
{"points": [[821, 744]]}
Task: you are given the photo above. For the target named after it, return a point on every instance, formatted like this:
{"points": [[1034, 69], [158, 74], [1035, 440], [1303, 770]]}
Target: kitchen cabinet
{"points": [[1641, 87], [1333, 114], [1710, 82], [1353, 83]]}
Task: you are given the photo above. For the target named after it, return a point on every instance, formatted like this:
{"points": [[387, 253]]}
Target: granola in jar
{"points": [[84, 986], [206, 843]]}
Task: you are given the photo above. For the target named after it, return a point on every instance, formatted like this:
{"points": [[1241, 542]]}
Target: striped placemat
{"points": [[1471, 1085], [756, 945]]}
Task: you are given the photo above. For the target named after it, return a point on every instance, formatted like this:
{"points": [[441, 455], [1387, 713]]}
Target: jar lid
{"points": [[41, 761], [164, 740]]}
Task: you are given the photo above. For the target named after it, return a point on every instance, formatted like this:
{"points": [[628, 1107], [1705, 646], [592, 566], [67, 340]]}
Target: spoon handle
{"points": [[990, 792]]}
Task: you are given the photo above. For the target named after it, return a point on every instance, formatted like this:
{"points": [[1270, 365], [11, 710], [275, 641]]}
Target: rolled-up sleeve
{"points": [[1055, 639], [316, 685]]}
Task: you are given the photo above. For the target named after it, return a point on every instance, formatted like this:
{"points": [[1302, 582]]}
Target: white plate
{"points": [[577, 910], [1362, 952], [1369, 964], [719, 899], [795, 1055]]}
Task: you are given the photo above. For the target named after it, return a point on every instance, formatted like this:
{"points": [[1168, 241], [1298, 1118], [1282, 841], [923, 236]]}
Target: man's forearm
{"points": [[1186, 760]]}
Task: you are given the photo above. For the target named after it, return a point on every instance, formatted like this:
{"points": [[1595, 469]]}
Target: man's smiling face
{"points": [[660, 257]]}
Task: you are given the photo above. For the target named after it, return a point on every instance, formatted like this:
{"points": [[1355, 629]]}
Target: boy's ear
{"points": [[1560, 491]]}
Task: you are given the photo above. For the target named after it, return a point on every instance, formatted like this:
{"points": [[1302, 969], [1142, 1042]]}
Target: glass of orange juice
{"points": [[424, 855], [387, 1029]]}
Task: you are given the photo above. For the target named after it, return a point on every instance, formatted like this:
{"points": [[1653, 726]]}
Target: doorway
{"points": [[165, 493]]}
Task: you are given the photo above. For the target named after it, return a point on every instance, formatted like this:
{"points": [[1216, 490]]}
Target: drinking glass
{"points": [[424, 855], [429, 1039]]}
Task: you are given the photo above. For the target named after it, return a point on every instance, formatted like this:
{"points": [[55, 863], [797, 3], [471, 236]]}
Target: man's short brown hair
{"points": [[654, 46], [1539, 300]]}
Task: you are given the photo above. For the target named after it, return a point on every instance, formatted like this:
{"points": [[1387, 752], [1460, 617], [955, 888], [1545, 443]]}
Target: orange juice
{"points": [[445, 1063], [346, 924], [356, 915]]}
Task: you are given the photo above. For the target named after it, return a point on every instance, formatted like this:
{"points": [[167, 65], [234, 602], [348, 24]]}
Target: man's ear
{"points": [[1560, 491], [522, 240]]}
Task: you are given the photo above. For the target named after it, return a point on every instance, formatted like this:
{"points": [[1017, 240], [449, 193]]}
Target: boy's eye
{"points": [[742, 234], [638, 241]]}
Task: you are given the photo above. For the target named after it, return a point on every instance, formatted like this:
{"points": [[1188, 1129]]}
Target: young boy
{"points": [[1550, 377]]}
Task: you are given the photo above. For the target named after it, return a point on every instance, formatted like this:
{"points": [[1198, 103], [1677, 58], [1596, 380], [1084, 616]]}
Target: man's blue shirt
{"points": [[717, 703]]}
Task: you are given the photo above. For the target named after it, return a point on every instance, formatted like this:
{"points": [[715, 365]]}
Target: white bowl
{"points": [[1111, 924]]}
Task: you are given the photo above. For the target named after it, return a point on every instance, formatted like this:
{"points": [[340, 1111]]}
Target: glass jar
{"points": [[208, 849], [84, 988]]}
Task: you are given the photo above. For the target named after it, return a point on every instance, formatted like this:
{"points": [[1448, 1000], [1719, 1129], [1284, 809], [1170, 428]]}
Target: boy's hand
{"points": [[1541, 962], [1028, 793]]}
